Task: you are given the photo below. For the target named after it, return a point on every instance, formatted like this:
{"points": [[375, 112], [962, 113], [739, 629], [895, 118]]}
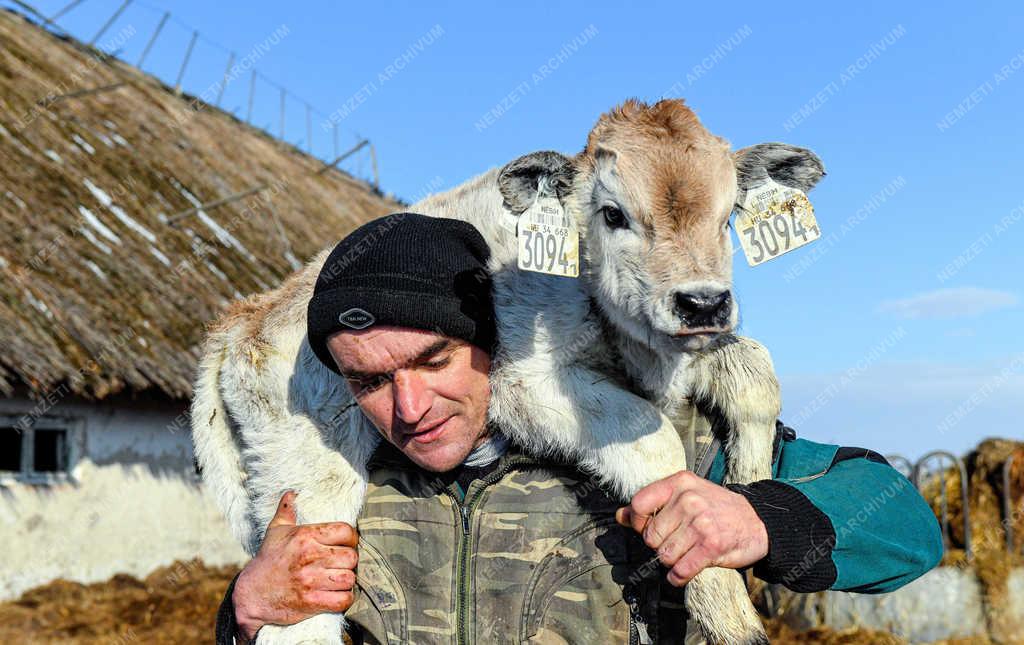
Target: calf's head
{"points": [[652, 192]]}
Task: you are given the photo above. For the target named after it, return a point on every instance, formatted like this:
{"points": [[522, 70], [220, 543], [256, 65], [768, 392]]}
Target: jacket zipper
{"points": [[464, 511], [638, 633]]}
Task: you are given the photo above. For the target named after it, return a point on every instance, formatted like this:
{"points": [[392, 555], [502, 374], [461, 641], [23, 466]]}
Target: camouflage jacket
{"points": [[530, 551]]}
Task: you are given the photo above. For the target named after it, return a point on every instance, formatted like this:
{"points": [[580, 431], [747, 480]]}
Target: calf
{"points": [[590, 368]]}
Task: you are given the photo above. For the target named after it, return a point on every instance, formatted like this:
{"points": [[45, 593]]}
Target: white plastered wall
{"points": [[132, 503]]}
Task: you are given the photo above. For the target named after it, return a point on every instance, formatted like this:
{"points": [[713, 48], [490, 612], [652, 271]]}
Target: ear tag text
{"points": [[548, 239], [774, 219]]}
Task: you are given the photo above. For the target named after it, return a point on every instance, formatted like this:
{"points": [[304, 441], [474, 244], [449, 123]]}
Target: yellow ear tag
{"points": [[774, 219], [549, 240]]}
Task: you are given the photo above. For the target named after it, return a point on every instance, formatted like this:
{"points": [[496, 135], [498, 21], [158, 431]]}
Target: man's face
{"points": [[426, 393]]}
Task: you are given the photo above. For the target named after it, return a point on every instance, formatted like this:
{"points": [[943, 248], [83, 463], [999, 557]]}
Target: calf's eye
{"points": [[614, 217]]}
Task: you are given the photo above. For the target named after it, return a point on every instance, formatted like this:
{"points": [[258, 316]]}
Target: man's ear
{"points": [[520, 179], [786, 164]]}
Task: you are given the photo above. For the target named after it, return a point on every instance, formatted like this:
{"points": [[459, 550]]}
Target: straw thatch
{"points": [[99, 292]]}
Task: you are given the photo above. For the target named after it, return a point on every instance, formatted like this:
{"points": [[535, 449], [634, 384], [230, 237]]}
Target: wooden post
{"points": [[351, 151], [283, 95], [110, 21], [152, 39], [80, 93], [224, 81], [217, 203], [373, 161], [252, 92], [52, 19], [184, 63], [309, 129]]}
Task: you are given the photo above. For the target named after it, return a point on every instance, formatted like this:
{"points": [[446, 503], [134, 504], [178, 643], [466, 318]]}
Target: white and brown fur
{"points": [[589, 369]]}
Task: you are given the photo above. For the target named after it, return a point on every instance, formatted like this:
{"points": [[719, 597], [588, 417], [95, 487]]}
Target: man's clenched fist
{"points": [[693, 523], [300, 571]]}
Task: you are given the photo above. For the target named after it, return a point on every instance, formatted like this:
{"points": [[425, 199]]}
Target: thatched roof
{"points": [[99, 291]]}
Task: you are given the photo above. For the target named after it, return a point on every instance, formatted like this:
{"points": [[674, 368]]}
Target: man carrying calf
{"points": [[464, 538]]}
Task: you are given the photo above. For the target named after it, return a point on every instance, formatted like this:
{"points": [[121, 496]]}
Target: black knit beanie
{"points": [[405, 270]]}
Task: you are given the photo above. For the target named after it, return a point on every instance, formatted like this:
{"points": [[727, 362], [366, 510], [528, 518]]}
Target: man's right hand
{"points": [[300, 571]]}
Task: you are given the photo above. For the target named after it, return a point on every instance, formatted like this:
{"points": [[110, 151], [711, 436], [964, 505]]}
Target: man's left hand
{"points": [[693, 523]]}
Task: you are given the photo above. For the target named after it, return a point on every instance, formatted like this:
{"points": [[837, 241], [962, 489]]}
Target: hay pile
{"points": [[990, 560], [175, 604], [781, 634], [985, 484]]}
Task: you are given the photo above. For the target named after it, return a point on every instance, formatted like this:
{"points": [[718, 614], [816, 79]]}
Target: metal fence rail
{"points": [[920, 474], [920, 469]]}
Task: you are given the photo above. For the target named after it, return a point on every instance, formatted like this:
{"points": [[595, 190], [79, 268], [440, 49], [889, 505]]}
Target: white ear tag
{"points": [[774, 219], [548, 239]]}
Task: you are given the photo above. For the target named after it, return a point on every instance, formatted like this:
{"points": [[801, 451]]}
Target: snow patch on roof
{"points": [[159, 256], [226, 238], [53, 155], [17, 200], [97, 192], [38, 304], [100, 227], [83, 144], [17, 142], [132, 224], [98, 271], [118, 212], [216, 271], [92, 238]]}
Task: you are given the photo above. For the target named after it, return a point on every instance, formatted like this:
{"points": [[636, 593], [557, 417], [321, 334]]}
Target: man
{"points": [[465, 539]]}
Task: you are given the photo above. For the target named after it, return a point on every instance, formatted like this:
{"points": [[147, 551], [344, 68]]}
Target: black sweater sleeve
{"points": [[227, 628], [800, 536]]}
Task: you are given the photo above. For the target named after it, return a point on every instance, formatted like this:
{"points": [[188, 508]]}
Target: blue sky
{"points": [[900, 332]]}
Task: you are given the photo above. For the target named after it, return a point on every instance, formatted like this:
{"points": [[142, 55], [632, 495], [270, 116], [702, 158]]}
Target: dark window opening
{"points": [[10, 449], [51, 451]]}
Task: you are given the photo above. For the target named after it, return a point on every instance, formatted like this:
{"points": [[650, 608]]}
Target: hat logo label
{"points": [[356, 318]]}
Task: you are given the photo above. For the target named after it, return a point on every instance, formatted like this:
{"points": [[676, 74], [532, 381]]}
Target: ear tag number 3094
{"points": [[774, 219], [549, 241]]}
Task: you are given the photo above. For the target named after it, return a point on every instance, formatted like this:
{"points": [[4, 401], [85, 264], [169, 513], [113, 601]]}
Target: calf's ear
{"points": [[521, 179], [786, 164]]}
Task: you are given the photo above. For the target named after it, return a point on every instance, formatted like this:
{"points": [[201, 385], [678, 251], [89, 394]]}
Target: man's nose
{"points": [[412, 398], [703, 309]]}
